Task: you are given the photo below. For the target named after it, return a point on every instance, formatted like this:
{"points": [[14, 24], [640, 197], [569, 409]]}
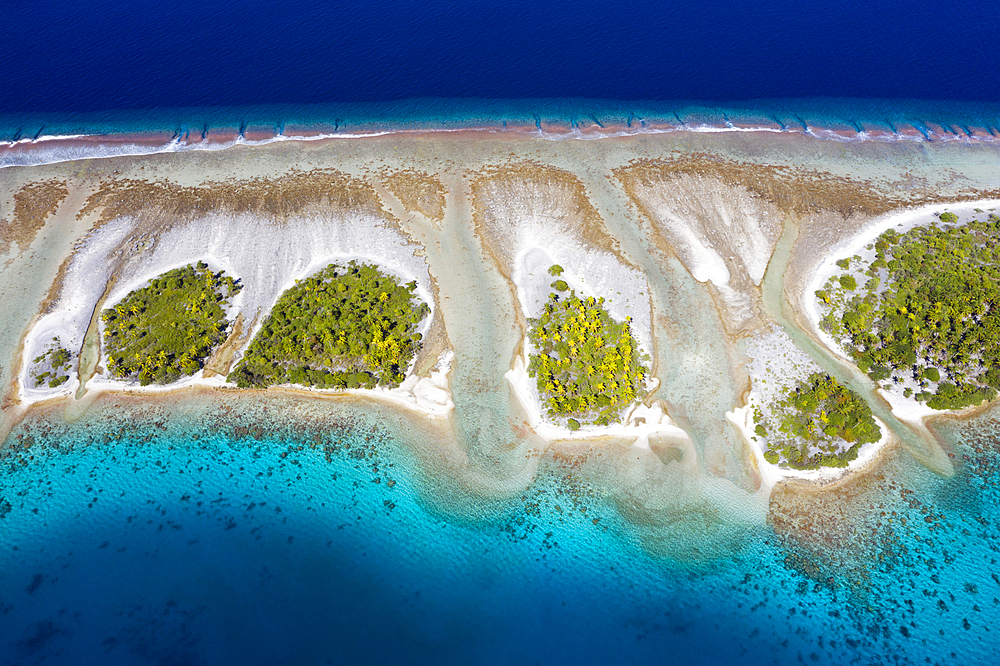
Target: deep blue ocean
{"points": [[140, 65]]}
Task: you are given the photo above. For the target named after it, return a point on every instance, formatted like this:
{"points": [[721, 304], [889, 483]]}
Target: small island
{"points": [[801, 420], [819, 423], [918, 310], [351, 326], [586, 365], [166, 329]]}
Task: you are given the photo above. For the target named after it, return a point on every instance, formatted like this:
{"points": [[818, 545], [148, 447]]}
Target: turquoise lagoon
{"points": [[266, 531]]}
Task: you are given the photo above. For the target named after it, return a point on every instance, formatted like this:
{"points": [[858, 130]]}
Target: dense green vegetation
{"points": [[166, 330], [52, 366], [586, 365], [345, 327], [819, 423], [928, 314]]}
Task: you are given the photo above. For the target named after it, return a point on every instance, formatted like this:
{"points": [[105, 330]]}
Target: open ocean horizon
{"points": [[107, 56]]}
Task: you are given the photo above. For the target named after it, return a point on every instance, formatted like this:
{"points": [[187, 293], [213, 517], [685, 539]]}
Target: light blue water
{"points": [[560, 113], [157, 538]]}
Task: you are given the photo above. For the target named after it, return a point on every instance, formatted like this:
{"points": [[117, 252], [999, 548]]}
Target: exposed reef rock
{"points": [[33, 205], [418, 192]]}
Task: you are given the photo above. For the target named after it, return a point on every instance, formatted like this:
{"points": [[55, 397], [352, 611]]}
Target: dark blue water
{"points": [[112, 66], [152, 538], [61, 56]]}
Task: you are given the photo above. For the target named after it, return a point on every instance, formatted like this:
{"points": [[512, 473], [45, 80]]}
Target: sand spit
{"points": [[68, 318], [775, 366]]}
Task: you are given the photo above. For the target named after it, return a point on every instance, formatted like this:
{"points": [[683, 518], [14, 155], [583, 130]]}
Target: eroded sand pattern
{"points": [[461, 215], [704, 240]]}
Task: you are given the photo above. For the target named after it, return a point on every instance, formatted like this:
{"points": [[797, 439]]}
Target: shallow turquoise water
{"points": [[157, 538]]}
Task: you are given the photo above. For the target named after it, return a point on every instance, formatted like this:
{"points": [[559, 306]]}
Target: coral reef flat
{"points": [[697, 217], [709, 244]]}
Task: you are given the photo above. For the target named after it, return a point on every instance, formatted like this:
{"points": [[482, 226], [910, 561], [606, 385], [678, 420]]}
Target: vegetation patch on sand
{"points": [[819, 423], [52, 367], [166, 330], [344, 327], [923, 314], [587, 366]]}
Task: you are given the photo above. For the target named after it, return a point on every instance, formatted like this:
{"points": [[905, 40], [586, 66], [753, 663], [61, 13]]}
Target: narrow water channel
{"points": [[916, 438]]}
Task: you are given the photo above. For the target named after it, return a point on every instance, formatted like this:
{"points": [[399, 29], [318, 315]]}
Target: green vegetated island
{"points": [[349, 326], [344, 327], [923, 315], [52, 367], [818, 423], [166, 329], [587, 366]]}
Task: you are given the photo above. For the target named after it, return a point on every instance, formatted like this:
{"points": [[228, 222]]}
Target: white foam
{"points": [[56, 154], [53, 155]]}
